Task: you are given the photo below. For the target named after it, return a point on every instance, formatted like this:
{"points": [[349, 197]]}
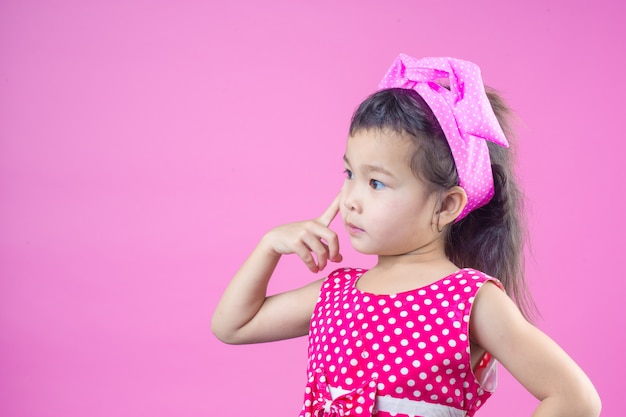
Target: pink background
{"points": [[145, 146]]}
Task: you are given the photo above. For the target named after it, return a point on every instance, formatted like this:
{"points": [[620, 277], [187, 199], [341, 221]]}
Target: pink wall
{"points": [[146, 146]]}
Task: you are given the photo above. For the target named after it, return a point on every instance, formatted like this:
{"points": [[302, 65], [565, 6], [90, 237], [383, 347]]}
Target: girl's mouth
{"points": [[353, 230]]}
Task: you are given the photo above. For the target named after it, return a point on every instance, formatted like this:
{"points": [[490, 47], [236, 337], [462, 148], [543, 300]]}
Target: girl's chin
{"points": [[361, 247]]}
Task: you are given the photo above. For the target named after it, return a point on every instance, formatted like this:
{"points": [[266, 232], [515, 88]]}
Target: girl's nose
{"points": [[350, 200]]}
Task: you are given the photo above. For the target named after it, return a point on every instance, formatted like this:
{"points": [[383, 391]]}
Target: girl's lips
{"points": [[353, 230]]}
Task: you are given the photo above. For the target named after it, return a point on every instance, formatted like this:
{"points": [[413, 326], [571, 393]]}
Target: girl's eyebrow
{"points": [[372, 168]]}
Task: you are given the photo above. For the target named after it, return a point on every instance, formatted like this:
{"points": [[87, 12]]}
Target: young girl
{"points": [[429, 191]]}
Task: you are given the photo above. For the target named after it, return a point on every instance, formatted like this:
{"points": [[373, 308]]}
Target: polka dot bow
{"points": [[464, 113], [357, 403]]}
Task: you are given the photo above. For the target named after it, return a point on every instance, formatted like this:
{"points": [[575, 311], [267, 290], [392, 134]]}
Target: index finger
{"points": [[330, 213]]}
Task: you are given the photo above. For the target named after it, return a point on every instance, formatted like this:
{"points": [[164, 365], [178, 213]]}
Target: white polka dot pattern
{"points": [[412, 345], [463, 112]]}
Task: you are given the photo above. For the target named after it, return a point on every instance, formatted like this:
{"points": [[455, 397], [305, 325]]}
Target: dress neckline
{"points": [[362, 271]]}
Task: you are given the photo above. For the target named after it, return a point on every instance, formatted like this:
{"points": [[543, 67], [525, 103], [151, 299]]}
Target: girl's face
{"points": [[385, 208]]}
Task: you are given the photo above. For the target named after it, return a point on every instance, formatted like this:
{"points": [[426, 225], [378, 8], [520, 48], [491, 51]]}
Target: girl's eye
{"points": [[349, 174], [377, 185]]}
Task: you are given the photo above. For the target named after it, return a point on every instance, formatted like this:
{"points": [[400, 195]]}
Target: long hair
{"points": [[490, 238]]}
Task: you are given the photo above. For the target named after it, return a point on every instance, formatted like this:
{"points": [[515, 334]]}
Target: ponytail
{"points": [[491, 238]]}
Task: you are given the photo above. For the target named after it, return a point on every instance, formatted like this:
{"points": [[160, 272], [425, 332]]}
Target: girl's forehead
{"points": [[385, 147]]}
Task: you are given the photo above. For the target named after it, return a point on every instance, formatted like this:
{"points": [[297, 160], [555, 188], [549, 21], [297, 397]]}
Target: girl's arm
{"points": [[245, 314], [534, 359]]}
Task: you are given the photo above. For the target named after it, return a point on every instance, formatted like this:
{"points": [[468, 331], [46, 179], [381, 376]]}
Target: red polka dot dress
{"points": [[405, 354]]}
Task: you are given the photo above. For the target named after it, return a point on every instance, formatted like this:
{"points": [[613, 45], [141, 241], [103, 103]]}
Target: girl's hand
{"points": [[246, 314], [308, 238]]}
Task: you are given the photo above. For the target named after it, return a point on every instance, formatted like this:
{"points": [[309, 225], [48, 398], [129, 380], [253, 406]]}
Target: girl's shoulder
{"points": [[465, 280], [471, 276], [343, 276], [342, 280]]}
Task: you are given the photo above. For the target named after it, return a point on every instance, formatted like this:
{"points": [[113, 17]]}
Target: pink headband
{"points": [[463, 112]]}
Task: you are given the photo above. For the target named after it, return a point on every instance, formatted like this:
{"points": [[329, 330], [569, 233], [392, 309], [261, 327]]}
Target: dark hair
{"points": [[490, 238]]}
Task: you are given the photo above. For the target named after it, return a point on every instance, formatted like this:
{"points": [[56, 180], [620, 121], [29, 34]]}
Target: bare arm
{"points": [[534, 359], [245, 314]]}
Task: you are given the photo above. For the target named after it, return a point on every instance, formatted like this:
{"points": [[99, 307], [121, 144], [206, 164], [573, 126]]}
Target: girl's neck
{"points": [[399, 273], [431, 263], [431, 255]]}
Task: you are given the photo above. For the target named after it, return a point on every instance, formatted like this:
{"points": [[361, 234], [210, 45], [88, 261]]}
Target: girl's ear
{"points": [[453, 202]]}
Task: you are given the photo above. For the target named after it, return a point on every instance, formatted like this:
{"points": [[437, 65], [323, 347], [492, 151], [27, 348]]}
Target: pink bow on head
{"points": [[463, 112]]}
